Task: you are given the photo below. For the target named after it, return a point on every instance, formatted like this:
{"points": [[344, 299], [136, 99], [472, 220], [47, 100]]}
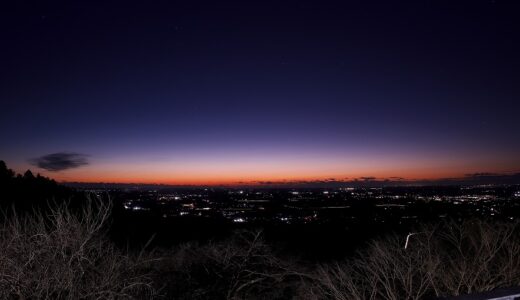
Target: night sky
{"points": [[217, 92]]}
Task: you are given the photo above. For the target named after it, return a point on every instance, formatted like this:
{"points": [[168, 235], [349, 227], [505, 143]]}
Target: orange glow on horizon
{"points": [[230, 180]]}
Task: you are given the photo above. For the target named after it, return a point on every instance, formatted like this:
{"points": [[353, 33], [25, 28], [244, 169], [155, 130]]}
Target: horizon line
{"points": [[509, 178]]}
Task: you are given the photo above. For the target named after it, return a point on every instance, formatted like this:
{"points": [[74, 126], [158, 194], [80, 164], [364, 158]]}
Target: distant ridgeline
{"points": [[27, 192]]}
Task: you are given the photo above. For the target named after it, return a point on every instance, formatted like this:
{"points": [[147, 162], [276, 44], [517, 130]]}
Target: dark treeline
{"points": [[27, 191]]}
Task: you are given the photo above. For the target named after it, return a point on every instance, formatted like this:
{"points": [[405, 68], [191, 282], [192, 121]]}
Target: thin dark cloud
{"points": [[372, 181], [482, 174], [486, 177], [366, 178], [60, 161]]}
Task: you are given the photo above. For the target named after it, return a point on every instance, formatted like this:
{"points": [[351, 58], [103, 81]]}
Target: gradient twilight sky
{"points": [[218, 92]]}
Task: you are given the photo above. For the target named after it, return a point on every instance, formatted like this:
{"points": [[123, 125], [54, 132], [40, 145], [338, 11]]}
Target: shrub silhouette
{"points": [[63, 255], [241, 267], [450, 259]]}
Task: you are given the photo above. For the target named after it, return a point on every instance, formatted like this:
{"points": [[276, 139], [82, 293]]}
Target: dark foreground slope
{"points": [[66, 255], [68, 249]]}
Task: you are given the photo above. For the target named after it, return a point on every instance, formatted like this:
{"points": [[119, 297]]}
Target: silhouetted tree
{"points": [[5, 173], [28, 175]]}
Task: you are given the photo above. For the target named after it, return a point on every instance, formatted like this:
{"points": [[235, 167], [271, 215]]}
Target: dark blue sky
{"points": [[208, 91]]}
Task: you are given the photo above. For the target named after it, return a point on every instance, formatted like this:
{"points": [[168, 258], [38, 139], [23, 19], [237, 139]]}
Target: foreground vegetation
{"points": [[58, 254], [65, 254]]}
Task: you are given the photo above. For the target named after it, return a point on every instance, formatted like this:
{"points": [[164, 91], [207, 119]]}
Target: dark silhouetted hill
{"points": [[27, 192]]}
